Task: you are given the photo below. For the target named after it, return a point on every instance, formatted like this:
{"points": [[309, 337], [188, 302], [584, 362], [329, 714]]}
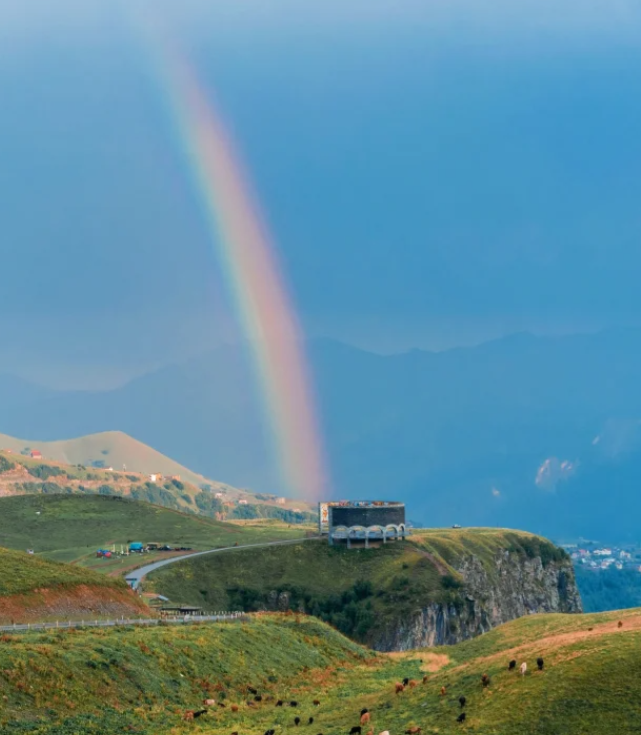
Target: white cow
{"points": [[523, 668]]}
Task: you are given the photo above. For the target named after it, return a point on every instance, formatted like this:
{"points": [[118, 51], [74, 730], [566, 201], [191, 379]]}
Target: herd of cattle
{"points": [[365, 715]]}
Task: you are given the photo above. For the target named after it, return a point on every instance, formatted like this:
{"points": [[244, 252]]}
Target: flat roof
{"points": [[361, 503]]}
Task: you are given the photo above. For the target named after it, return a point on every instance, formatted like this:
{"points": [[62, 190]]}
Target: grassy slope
{"points": [[108, 681], [404, 576], [69, 527], [20, 573], [115, 448]]}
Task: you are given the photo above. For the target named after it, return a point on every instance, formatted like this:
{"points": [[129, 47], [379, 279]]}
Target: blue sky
{"points": [[434, 173]]}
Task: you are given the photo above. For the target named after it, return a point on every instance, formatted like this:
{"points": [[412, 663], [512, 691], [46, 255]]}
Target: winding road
{"points": [[136, 576]]}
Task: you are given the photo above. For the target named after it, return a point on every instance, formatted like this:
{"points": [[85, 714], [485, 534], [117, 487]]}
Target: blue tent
{"points": [[136, 546]]}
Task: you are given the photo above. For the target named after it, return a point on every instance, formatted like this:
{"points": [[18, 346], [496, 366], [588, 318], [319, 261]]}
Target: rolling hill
{"points": [[144, 680], [110, 449], [71, 527], [24, 475], [35, 589]]}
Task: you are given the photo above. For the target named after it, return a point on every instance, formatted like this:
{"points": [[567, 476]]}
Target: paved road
{"points": [[136, 576], [216, 618]]}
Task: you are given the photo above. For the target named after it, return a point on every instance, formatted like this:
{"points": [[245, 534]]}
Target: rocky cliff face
{"points": [[517, 586]]}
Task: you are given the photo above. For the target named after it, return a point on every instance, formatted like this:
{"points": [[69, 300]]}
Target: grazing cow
{"points": [[199, 712], [234, 708], [461, 718], [512, 665], [385, 732], [279, 703], [485, 680], [258, 698], [414, 730], [523, 668], [620, 624], [462, 701], [413, 683], [316, 702], [293, 704], [590, 628], [356, 730], [234, 733], [406, 681], [443, 691], [251, 690], [539, 663], [209, 702], [425, 678], [398, 687], [189, 715], [310, 721], [365, 718], [370, 732], [297, 721], [270, 732], [221, 704]]}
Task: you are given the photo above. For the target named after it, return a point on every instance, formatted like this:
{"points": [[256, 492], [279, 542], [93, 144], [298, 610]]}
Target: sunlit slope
{"points": [[112, 448]]}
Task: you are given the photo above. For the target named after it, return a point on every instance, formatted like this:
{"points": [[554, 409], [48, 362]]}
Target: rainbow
{"points": [[251, 267]]}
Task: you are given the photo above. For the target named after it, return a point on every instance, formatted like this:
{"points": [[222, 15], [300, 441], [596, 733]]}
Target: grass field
{"points": [[71, 527], [143, 680]]}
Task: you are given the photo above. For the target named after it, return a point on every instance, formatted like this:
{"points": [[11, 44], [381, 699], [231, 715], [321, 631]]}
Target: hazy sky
{"points": [[433, 173]]}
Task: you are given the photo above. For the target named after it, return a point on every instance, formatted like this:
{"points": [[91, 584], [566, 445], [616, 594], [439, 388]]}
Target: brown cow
{"points": [[234, 708], [443, 691], [414, 730], [412, 683], [398, 687], [365, 718], [620, 624]]}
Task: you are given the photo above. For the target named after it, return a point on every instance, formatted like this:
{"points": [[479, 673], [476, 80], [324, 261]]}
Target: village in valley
{"points": [[591, 555]]}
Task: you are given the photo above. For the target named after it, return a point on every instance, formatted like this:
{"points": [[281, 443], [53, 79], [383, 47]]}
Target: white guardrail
{"points": [[173, 620]]}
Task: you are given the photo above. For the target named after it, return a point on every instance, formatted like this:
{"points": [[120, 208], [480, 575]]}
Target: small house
{"points": [[35, 454]]}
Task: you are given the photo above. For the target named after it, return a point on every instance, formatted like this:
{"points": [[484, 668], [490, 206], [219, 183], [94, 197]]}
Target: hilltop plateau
{"points": [[439, 586]]}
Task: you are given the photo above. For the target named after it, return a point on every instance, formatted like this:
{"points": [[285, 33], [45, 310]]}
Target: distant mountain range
{"points": [[541, 433]]}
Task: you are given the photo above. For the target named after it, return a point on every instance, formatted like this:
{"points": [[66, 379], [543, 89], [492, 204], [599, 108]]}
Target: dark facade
{"points": [[369, 515]]}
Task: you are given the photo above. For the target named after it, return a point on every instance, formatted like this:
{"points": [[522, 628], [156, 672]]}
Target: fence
{"points": [[173, 620]]}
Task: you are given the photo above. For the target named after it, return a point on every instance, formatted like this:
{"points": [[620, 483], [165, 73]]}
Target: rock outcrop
{"points": [[516, 586]]}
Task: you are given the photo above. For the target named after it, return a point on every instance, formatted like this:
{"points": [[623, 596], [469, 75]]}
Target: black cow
{"points": [[512, 665], [539, 663], [310, 721], [462, 701], [297, 721], [293, 704], [356, 730], [461, 718], [279, 703]]}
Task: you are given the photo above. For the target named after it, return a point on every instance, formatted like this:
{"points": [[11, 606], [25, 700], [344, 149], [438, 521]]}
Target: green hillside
{"points": [[70, 527], [144, 680], [35, 589], [360, 591], [22, 474]]}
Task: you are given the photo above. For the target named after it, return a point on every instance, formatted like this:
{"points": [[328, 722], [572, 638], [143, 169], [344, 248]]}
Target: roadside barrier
{"points": [[218, 617]]}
